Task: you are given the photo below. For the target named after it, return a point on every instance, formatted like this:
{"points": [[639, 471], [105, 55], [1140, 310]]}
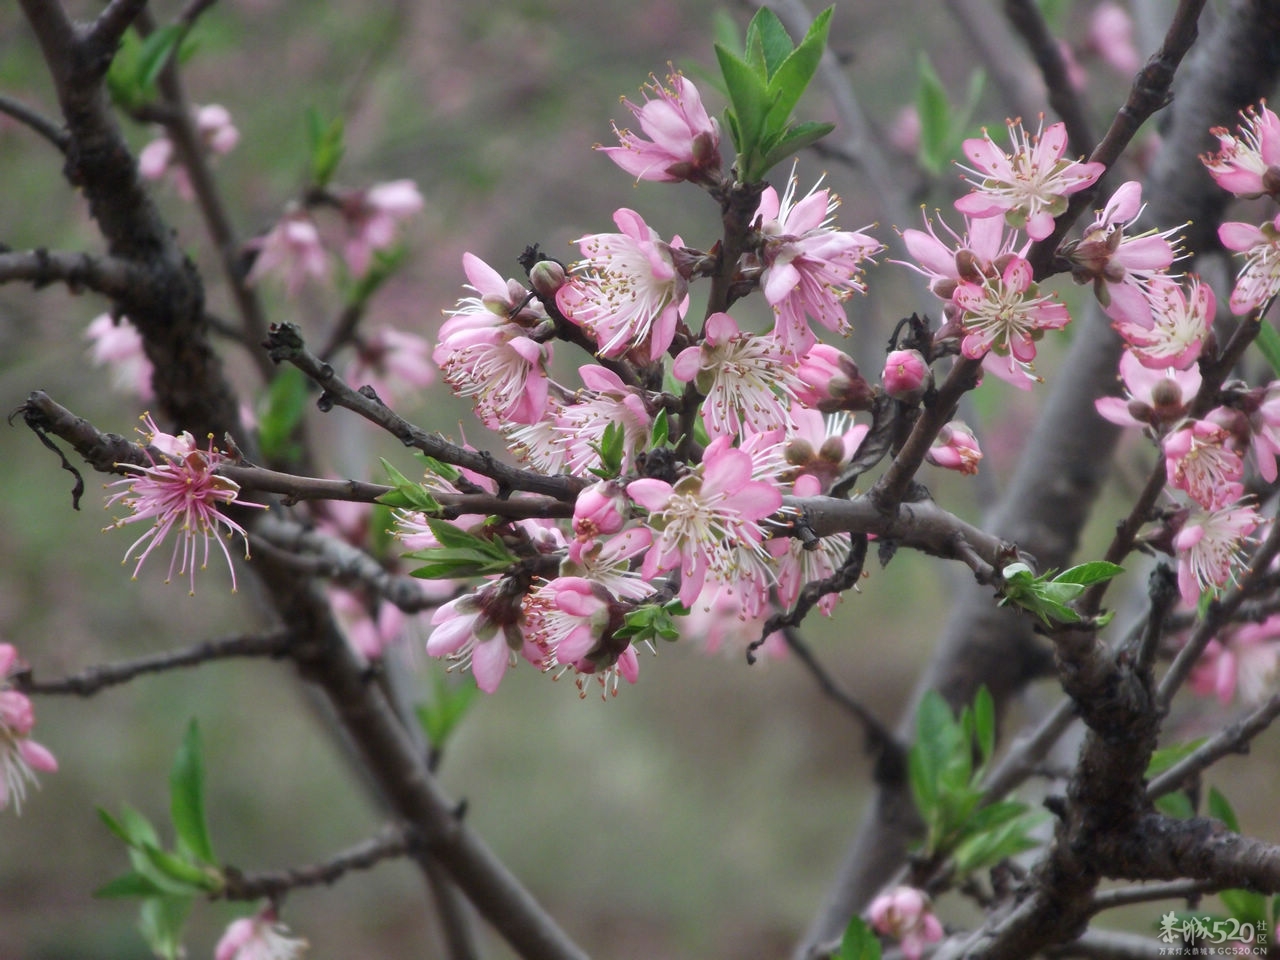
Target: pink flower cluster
{"points": [[20, 756], [259, 937], [218, 135]]}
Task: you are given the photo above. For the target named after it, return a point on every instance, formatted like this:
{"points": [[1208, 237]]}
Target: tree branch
{"points": [[36, 121], [1232, 739], [95, 679], [111, 276], [392, 841]]}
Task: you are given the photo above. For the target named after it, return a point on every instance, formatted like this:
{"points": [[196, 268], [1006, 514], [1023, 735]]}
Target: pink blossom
{"points": [[698, 521], [1199, 461], [605, 400], [373, 217], [1178, 327], [611, 563], [955, 448], [904, 130], [799, 564], [819, 446], [1242, 658], [260, 937], [20, 756], [1261, 409], [684, 141], [810, 268], [747, 380], [117, 345], [981, 251], [573, 620], [718, 624], [291, 248], [1111, 37], [1155, 398], [1120, 265], [1209, 547], [393, 363], [1004, 315], [369, 632], [829, 380], [217, 135], [1259, 278], [481, 631], [181, 493], [1248, 165], [1029, 186], [627, 292], [906, 375], [905, 914], [485, 352]]}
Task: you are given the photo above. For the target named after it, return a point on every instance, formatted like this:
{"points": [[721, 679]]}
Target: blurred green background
{"points": [[700, 814]]}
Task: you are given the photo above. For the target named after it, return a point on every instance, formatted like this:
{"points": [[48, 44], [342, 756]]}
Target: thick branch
{"points": [[110, 276]]}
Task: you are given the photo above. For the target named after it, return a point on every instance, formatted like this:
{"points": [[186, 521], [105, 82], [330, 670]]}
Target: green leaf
{"points": [[1165, 757], [984, 716], [789, 83], [990, 847], [1245, 905], [934, 111], [446, 471], [132, 827], [448, 705], [650, 623], [282, 411], [1268, 342], [611, 449], [1095, 571], [661, 431], [186, 876], [325, 140], [186, 798], [127, 886], [1176, 805], [748, 97], [407, 493], [858, 942], [460, 554], [1220, 809], [795, 140], [766, 34], [161, 922], [154, 54]]}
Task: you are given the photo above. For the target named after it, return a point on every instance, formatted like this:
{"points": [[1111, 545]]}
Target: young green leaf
{"points": [[1220, 809], [280, 413], [185, 876], [448, 705], [767, 35], [792, 76], [660, 433], [407, 493], [984, 716], [186, 799], [1095, 571], [858, 942], [325, 140], [161, 922], [934, 111], [794, 140], [1268, 343], [128, 886]]}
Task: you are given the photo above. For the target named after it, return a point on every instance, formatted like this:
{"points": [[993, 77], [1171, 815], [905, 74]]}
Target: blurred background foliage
{"points": [[701, 813]]}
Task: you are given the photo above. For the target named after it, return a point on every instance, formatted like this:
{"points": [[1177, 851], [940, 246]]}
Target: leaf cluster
{"points": [[168, 881], [763, 84], [948, 792], [1049, 596]]}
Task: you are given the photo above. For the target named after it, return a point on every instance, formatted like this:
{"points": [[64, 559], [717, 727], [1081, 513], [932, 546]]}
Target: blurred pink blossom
{"points": [[292, 249], [373, 217], [905, 914], [260, 937], [116, 344], [1111, 38], [20, 756]]}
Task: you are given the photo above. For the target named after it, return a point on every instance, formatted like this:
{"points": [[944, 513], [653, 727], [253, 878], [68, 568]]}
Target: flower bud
{"points": [[956, 448], [601, 508], [546, 277], [906, 375]]}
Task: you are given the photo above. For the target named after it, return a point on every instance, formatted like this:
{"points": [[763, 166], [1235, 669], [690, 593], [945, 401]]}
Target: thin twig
{"points": [[37, 121], [392, 841], [94, 679], [1148, 893], [285, 344], [1232, 739], [1030, 23]]}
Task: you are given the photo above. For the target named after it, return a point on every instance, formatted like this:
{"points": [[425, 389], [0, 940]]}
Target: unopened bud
{"points": [[906, 375]]}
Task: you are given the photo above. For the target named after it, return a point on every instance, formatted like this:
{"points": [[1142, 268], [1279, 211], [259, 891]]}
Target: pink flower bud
{"points": [[830, 381], [600, 509], [904, 913], [906, 375], [956, 448]]}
